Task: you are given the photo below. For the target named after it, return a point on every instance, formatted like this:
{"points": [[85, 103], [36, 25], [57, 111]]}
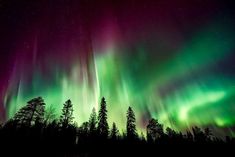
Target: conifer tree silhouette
{"points": [[66, 117], [114, 132], [31, 113], [131, 124], [154, 130], [93, 122], [103, 128]]}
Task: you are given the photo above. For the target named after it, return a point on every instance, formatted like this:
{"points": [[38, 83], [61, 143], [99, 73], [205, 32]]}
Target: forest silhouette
{"points": [[34, 129]]}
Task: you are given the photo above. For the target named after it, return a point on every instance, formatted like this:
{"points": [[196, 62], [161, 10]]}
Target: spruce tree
{"points": [[114, 132], [103, 128], [66, 117], [92, 122], [131, 124]]}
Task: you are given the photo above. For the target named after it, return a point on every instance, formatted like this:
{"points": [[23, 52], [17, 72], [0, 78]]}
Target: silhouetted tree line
{"points": [[32, 125]]}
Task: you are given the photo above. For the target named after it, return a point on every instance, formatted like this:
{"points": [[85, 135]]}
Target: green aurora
{"points": [[180, 90]]}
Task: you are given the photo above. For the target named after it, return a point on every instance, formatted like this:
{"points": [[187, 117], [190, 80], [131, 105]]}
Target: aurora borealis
{"points": [[171, 60]]}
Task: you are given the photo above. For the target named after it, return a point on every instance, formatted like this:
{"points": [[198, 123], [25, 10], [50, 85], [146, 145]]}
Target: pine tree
{"points": [[103, 128], [31, 113], [67, 114], [154, 130], [23, 116], [114, 132], [131, 124], [92, 122]]}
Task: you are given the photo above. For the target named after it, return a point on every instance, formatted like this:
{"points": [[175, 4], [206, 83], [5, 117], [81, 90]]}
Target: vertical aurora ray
{"points": [[182, 79]]}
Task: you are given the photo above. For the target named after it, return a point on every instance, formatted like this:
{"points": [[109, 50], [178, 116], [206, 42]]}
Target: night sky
{"points": [[171, 60]]}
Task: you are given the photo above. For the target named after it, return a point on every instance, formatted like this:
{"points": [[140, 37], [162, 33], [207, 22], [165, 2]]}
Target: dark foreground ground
{"points": [[110, 149]]}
